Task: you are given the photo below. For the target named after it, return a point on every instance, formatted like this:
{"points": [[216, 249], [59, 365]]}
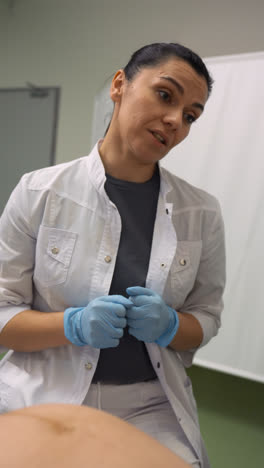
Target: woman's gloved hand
{"points": [[150, 319], [100, 324]]}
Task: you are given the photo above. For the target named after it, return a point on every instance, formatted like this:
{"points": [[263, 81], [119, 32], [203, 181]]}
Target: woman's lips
{"points": [[158, 137]]}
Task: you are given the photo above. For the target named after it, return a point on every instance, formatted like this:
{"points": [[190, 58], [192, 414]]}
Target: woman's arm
{"points": [[32, 330], [189, 334], [21, 328], [200, 315]]}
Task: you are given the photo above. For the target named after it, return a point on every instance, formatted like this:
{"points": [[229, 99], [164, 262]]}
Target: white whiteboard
{"points": [[224, 154]]}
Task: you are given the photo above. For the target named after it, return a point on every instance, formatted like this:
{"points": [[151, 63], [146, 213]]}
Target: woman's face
{"points": [[155, 111]]}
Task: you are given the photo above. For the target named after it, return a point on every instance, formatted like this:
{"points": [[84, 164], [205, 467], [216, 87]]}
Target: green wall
{"points": [[231, 412]]}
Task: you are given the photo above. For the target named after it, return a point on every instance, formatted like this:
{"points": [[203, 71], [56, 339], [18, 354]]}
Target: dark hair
{"points": [[154, 54]]}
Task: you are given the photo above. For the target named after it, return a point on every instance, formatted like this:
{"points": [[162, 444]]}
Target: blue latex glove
{"points": [[150, 319], [100, 324]]}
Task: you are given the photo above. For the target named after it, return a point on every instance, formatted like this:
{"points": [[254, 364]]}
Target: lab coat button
{"points": [[88, 366], [107, 259], [55, 250], [182, 262]]}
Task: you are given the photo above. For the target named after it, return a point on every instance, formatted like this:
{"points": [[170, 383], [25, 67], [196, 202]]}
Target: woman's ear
{"points": [[117, 86]]}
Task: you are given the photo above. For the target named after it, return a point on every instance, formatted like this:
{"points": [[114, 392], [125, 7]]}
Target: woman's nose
{"points": [[174, 118]]}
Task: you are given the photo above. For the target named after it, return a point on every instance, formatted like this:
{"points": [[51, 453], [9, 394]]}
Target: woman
{"points": [[127, 259]]}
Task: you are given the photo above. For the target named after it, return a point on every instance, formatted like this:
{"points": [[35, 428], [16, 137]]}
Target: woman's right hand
{"points": [[100, 324]]}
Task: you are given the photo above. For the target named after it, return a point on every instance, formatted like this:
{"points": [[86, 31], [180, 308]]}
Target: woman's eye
{"points": [[164, 96], [190, 118]]}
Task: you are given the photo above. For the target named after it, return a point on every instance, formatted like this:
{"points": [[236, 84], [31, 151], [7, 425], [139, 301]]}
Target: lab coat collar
{"points": [[98, 178]]}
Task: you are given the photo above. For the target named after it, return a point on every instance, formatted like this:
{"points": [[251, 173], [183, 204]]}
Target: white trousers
{"points": [[145, 406]]}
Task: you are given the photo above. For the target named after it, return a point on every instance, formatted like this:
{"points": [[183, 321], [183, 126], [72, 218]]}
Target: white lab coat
{"points": [[59, 237]]}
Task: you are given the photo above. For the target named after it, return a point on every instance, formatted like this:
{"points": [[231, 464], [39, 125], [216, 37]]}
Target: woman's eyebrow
{"points": [[181, 90], [175, 83]]}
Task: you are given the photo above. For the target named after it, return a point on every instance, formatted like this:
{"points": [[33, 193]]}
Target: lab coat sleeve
{"points": [[205, 301], [17, 252]]}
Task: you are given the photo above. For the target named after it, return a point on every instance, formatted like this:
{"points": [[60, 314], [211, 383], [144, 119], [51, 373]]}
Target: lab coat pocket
{"points": [[54, 252], [184, 268]]}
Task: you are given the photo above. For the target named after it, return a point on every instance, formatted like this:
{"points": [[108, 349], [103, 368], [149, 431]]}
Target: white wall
{"points": [[77, 44]]}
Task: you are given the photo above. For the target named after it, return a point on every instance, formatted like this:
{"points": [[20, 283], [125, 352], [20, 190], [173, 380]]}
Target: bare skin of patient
{"points": [[71, 436]]}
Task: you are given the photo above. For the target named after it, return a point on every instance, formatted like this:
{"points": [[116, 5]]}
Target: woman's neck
{"points": [[119, 164]]}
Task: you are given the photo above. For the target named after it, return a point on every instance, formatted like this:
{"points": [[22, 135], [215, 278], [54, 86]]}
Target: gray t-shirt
{"points": [[137, 204]]}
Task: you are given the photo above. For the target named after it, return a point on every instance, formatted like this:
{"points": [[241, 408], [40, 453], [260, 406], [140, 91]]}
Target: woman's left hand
{"points": [[150, 319]]}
